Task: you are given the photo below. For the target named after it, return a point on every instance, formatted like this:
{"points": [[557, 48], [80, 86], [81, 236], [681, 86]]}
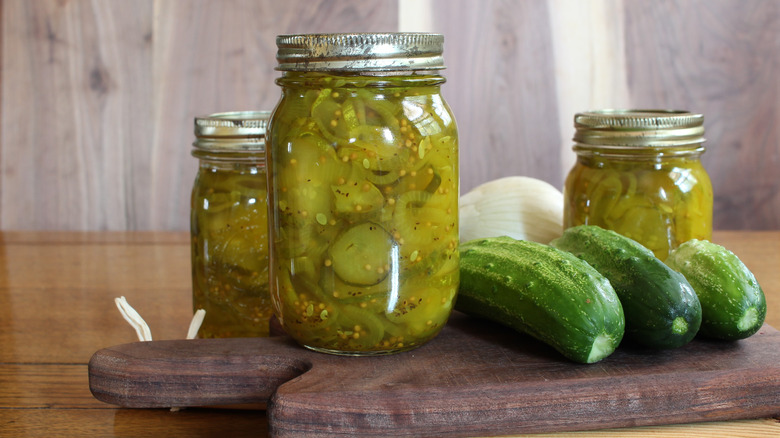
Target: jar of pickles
{"points": [[638, 173], [229, 225], [363, 192]]}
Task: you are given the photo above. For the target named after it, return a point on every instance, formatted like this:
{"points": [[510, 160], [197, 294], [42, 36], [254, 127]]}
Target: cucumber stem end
{"points": [[748, 319], [680, 325], [602, 347]]}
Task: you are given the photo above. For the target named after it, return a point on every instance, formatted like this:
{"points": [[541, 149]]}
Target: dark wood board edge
{"points": [[743, 384], [567, 405], [233, 371], [199, 372]]}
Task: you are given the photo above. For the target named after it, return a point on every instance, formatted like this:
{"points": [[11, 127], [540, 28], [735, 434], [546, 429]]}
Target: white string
{"points": [[197, 320], [142, 329], [135, 320]]}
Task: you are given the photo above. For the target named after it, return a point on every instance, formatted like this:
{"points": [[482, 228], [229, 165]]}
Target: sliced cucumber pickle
{"points": [[364, 212], [229, 249], [361, 254], [357, 197]]}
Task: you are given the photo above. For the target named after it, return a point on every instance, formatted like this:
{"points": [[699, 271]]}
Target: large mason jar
{"points": [[229, 225], [363, 192], [639, 173]]}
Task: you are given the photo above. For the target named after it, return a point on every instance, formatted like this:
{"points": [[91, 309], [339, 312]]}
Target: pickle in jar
{"points": [[661, 205], [230, 251], [638, 172], [373, 210]]}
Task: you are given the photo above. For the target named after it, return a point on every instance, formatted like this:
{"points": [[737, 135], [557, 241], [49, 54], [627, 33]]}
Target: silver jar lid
{"points": [[232, 131], [355, 52], [638, 128]]}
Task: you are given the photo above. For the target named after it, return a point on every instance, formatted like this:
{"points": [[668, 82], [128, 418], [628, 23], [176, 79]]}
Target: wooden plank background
{"points": [[97, 97]]}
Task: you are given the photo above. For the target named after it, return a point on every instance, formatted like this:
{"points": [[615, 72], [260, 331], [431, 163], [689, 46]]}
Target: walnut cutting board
{"points": [[475, 378]]}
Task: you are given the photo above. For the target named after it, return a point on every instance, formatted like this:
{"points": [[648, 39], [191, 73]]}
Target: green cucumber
{"points": [[733, 304], [661, 308], [543, 292]]}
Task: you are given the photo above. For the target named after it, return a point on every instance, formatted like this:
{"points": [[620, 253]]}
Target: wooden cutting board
{"points": [[475, 378]]}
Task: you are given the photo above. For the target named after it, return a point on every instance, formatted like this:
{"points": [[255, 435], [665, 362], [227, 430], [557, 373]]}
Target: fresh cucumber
{"points": [[661, 308], [543, 292], [733, 304]]}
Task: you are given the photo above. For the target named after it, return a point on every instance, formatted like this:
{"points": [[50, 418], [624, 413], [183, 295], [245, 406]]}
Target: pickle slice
{"points": [[365, 191], [420, 224], [357, 197], [361, 254]]}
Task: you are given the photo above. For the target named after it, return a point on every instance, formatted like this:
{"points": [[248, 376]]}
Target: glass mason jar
{"points": [[638, 173], [229, 225], [363, 192]]}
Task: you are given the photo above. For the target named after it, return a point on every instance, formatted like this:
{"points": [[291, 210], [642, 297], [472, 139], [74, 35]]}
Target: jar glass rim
{"points": [[638, 128], [388, 51]]}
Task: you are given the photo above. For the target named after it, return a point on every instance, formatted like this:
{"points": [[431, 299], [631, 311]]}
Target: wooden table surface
{"points": [[57, 308]]}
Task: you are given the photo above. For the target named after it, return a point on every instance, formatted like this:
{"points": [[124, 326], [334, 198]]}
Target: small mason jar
{"points": [[363, 192], [638, 172], [229, 225]]}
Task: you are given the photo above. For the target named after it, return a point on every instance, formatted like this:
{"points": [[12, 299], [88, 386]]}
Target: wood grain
{"points": [[212, 56], [49, 386], [590, 63], [499, 62], [53, 318], [75, 114], [45, 423], [97, 98], [518, 71], [719, 58], [75, 279], [472, 379]]}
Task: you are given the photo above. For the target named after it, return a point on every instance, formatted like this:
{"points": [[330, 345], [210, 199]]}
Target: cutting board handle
{"points": [[197, 372]]}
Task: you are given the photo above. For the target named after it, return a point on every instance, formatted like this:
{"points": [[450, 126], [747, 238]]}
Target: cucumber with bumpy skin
{"points": [[661, 308], [733, 304], [543, 292]]}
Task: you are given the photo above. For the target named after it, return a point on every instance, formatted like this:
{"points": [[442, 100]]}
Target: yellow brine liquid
{"points": [[364, 202], [229, 226], [639, 173], [660, 205]]}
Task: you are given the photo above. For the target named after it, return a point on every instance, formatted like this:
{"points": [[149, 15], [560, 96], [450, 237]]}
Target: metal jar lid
{"points": [[232, 131], [638, 128], [356, 52]]}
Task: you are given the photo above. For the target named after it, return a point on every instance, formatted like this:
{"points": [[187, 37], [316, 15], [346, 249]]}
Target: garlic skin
{"points": [[520, 207]]}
